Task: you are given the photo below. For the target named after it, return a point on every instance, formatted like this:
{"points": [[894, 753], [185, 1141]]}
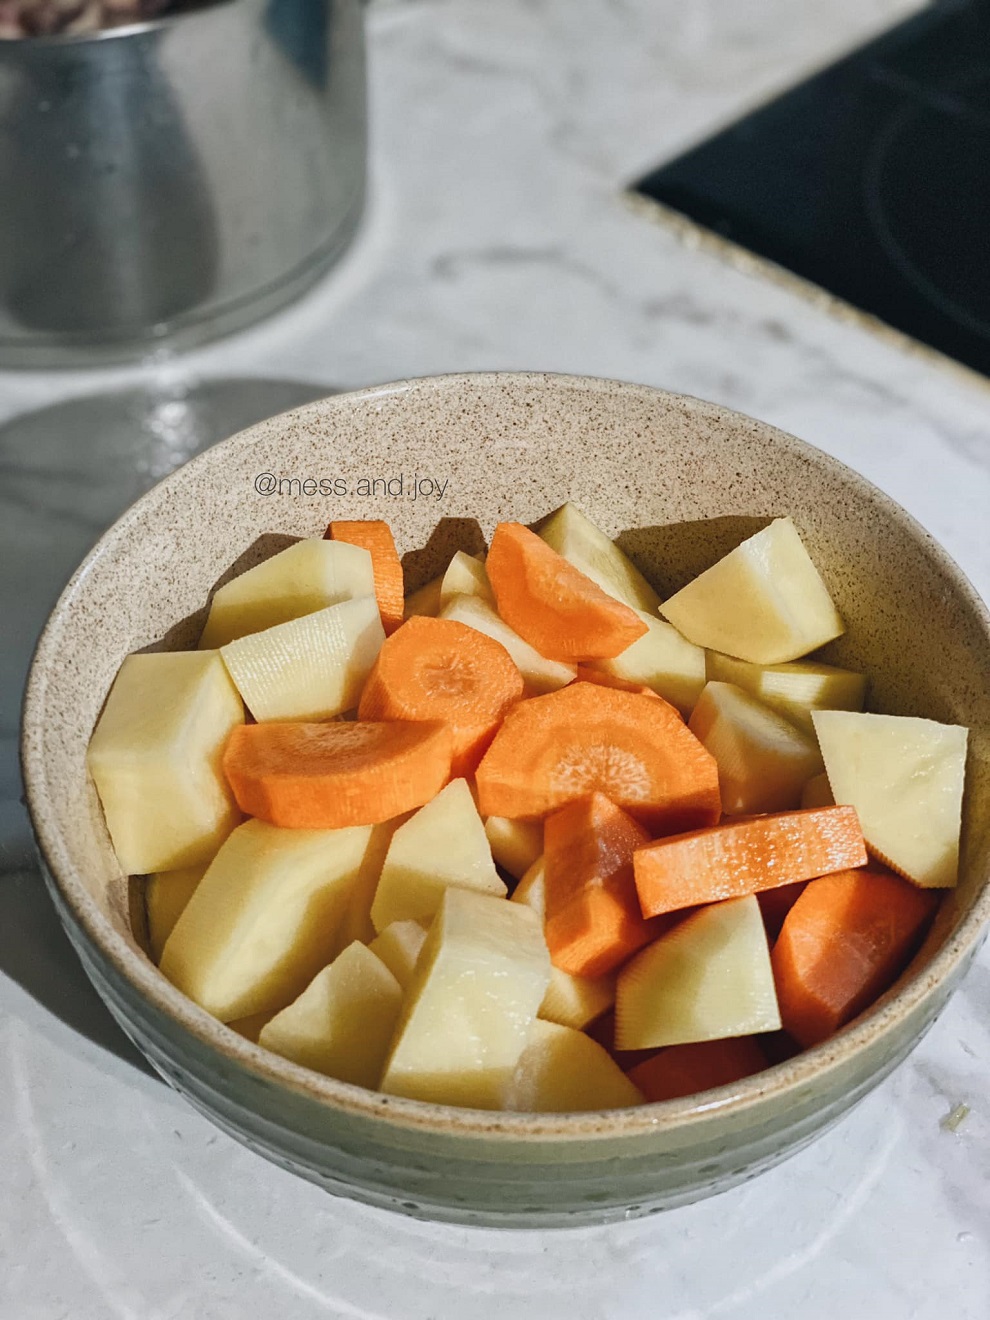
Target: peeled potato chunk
{"points": [[166, 894], [572, 534], [763, 760], [399, 946], [564, 1071], [357, 923], [793, 690], [342, 1023], [541, 675], [471, 1003], [264, 917], [663, 661], [707, 978], [905, 778], [155, 759], [764, 601], [302, 579], [465, 576], [515, 844], [310, 668]]}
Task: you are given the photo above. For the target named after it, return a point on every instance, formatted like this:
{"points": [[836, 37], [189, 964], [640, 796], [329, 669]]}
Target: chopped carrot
{"points": [[552, 604], [686, 1069], [376, 537], [442, 670], [588, 675], [585, 739], [592, 921], [741, 857], [842, 944], [328, 776], [775, 905]]}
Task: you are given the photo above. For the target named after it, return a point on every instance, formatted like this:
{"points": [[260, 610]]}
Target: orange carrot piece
{"points": [[592, 920], [442, 670], [327, 776], [587, 675], [741, 857], [376, 537], [683, 1070], [586, 739], [775, 905], [843, 943], [552, 604]]}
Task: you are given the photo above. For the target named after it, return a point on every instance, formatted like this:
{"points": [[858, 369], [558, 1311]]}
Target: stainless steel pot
{"points": [[172, 181]]}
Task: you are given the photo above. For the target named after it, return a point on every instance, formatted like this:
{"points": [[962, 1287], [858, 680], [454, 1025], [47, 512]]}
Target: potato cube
{"points": [[664, 661], [399, 946], [793, 690], [465, 576], [166, 894], [572, 534], [563, 1071], [515, 844]]}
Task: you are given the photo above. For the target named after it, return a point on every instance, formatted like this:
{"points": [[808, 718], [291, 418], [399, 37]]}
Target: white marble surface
{"points": [[502, 135]]}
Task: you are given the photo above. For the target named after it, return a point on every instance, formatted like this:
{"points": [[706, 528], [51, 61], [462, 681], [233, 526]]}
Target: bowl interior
{"points": [[678, 482]]}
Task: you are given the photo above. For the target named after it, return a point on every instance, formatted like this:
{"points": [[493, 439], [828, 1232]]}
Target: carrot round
{"points": [[843, 943], [592, 919], [586, 739], [552, 604], [376, 537], [686, 1069], [328, 776], [741, 857], [442, 670]]}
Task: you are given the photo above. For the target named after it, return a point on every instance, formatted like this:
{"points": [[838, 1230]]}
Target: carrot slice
{"points": [[328, 776], [844, 941], [552, 604], [592, 920], [686, 1069], [586, 739], [741, 857], [586, 675], [376, 537], [441, 670]]}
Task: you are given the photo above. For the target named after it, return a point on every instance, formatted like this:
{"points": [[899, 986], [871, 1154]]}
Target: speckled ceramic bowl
{"points": [[678, 482]]}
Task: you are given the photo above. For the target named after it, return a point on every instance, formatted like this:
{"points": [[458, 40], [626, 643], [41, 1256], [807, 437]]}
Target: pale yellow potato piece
{"points": [[708, 978], [817, 792], [166, 894], [763, 760], [155, 757], [764, 601], [342, 1023], [662, 660], [443, 844], [302, 579], [572, 534], [793, 690], [425, 601], [357, 923], [471, 1003], [563, 1071], [264, 918], [905, 778], [515, 844], [465, 576], [541, 675], [399, 946], [250, 1027], [310, 668]]}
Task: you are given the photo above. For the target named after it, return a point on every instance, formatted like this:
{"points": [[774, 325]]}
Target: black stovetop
{"points": [[871, 179]]}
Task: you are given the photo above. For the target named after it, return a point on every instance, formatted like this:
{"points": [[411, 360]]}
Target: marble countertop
{"points": [[496, 237]]}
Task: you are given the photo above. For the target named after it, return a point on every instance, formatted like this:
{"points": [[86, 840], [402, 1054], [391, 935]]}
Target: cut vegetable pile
{"points": [[476, 843]]}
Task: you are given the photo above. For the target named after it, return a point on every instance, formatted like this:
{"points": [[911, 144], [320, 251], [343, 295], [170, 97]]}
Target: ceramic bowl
{"points": [[678, 482]]}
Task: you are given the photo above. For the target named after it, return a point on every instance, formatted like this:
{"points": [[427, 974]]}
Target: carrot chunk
{"points": [[442, 670], [843, 943], [552, 604], [686, 1069], [741, 857], [376, 537], [327, 776], [586, 739], [592, 921]]}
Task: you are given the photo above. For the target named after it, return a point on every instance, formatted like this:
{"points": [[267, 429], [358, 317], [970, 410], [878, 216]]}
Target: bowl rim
{"points": [[897, 1004]]}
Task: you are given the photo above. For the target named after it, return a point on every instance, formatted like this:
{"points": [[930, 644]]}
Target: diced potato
{"points": [[764, 601], [817, 792], [515, 844], [664, 661], [342, 1023], [357, 923], [707, 978], [465, 576], [793, 690], [264, 917], [310, 668], [471, 1003], [302, 579], [564, 1071], [905, 778], [166, 893], [541, 675], [250, 1027], [573, 535], [399, 946], [424, 601], [155, 759], [443, 844], [764, 761]]}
